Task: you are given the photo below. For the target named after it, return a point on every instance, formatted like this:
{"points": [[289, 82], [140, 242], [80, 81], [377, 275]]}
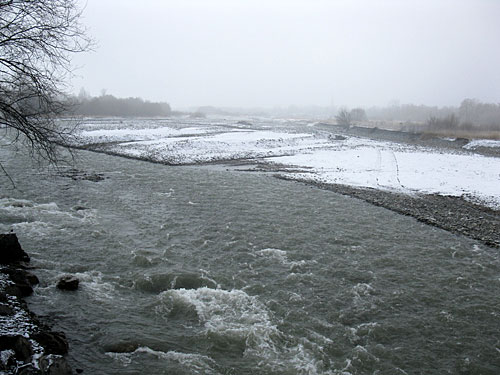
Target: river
{"points": [[203, 270]]}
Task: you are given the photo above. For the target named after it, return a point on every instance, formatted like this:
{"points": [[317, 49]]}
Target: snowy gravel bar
{"points": [[309, 154], [387, 166]]}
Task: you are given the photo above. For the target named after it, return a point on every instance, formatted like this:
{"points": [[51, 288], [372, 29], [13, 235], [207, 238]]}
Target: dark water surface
{"points": [[199, 270]]}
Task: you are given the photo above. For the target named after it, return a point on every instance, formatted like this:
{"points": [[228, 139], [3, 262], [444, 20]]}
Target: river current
{"points": [[203, 270]]}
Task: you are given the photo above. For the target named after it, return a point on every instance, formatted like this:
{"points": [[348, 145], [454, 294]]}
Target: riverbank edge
{"points": [[27, 344], [454, 214], [451, 213]]}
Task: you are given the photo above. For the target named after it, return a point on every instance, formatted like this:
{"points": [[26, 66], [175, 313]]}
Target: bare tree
{"points": [[343, 117], [37, 39]]}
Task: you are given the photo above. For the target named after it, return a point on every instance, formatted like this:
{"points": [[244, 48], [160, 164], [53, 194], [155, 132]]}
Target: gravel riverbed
{"points": [[454, 214]]}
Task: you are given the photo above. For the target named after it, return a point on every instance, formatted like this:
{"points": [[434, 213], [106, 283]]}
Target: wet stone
{"points": [[55, 365], [7, 359], [19, 344], [6, 310], [10, 249], [28, 370], [52, 342], [32, 278], [68, 282], [23, 280], [19, 290], [121, 347]]}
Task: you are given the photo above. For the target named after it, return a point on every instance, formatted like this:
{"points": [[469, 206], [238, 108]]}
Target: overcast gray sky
{"points": [[303, 52]]}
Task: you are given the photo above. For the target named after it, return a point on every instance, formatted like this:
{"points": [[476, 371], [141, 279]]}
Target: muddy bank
{"points": [[454, 214], [27, 345]]}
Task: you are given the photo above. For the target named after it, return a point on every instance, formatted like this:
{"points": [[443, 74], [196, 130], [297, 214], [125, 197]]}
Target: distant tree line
{"points": [[108, 105], [486, 115], [470, 115], [408, 112]]}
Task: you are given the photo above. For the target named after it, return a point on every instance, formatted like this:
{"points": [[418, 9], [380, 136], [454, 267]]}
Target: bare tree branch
{"points": [[37, 39]]}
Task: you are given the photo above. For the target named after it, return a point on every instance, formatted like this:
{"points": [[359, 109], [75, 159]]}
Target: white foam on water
{"points": [[232, 313], [18, 205], [299, 277], [32, 229], [48, 206], [199, 364], [361, 292], [295, 297], [348, 365], [86, 215], [320, 338], [355, 333], [124, 358], [281, 257], [205, 275], [362, 289], [278, 254], [237, 315], [40, 218], [446, 315], [92, 282], [360, 357], [361, 354], [143, 260]]}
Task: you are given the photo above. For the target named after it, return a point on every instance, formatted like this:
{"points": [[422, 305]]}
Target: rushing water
{"points": [[202, 270]]}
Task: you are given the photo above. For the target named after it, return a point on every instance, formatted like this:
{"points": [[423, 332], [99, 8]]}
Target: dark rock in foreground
{"points": [[23, 282], [20, 346], [26, 345], [54, 365], [10, 250], [68, 282], [52, 342]]}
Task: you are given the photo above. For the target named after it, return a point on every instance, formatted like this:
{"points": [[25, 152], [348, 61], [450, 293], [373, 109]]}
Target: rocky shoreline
{"points": [[454, 214], [27, 345]]}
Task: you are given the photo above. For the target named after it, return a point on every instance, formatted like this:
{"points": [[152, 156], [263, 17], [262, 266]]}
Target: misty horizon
{"points": [[279, 54]]}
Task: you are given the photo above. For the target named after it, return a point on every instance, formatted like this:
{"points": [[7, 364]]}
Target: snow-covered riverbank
{"points": [[317, 156], [387, 166]]}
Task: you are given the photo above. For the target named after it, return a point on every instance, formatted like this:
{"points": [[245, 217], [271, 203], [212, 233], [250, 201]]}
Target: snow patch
{"points": [[472, 145]]}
